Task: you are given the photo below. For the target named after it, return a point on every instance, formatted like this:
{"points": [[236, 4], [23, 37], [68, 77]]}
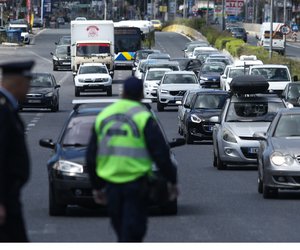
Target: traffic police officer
{"points": [[14, 159], [125, 142]]}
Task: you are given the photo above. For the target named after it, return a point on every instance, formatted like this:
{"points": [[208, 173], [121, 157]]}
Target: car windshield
{"points": [[64, 40], [238, 72], [92, 70], [210, 101], [191, 47], [216, 59], [238, 30], [180, 79], [288, 126], [143, 54], [155, 75], [272, 74], [198, 52], [294, 91], [78, 131], [212, 69], [42, 81], [252, 111], [63, 51]]}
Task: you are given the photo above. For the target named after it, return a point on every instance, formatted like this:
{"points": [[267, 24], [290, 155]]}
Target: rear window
{"points": [[210, 101], [92, 70], [42, 81], [155, 75], [180, 79], [288, 126], [272, 74]]}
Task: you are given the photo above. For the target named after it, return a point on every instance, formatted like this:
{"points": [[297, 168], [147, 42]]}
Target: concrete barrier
{"points": [[190, 32]]}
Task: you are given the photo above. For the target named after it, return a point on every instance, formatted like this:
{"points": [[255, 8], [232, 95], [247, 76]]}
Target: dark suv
{"points": [[239, 32]]}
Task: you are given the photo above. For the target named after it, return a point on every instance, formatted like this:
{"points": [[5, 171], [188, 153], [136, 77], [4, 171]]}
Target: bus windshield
{"points": [[127, 39]]}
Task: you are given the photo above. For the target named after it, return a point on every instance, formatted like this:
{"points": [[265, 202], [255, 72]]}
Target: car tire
{"points": [[269, 192], [170, 208], [180, 130], [215, 160], [109, 91], [55, 107], [54, 68], [160, 106], [259, 185], [77, 91], [188, 138], [55, 209], [220, 164]]}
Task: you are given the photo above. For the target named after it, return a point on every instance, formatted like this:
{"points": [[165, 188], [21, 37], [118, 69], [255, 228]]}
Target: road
{"points": [[214, 206]]}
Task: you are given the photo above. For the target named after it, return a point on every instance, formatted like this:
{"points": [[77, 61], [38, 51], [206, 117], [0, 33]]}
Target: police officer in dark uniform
{"points": [[125, 142], [14, 158]]}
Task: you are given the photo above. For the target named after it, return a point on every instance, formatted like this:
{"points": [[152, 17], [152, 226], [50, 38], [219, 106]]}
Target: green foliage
{"points": [[234, 47], [221, 42]]}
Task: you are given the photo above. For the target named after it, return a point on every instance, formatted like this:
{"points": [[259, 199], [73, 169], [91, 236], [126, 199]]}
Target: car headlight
{"points": [[195, 118], [280, 159], [50, 94], [55, 58], [229, 136], [163, 91], [203, 78], [289, 105], [68, 166], [80, 80]]}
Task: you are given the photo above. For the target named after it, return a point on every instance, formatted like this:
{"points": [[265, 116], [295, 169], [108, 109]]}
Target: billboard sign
{"points": [[234, 7]]}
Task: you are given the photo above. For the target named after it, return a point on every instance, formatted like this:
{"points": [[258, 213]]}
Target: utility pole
{"points": [[1, 6], [184, 9], [223, 15], [105, 9], [284, 11], [271, 29], [207, 9]]}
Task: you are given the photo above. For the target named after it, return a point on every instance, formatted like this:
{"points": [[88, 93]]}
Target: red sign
{"points": [[28, 6], [234, 7], [92, 31]]}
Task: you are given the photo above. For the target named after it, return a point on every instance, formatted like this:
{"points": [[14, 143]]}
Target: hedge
{"points": [[234, 47]]}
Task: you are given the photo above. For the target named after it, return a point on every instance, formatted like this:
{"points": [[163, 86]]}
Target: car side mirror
{"points": [[177, 142], [295, 78], [51, 53], [215, 119], [47, 143], [186, 106], [260, 136], [57, 86]]}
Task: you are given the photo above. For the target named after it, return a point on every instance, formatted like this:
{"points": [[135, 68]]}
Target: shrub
{"points": [[234, 47], [221, 42]]}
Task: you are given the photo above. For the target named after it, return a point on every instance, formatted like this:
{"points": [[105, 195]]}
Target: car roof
{"points": [[269, 66], [291, 111], [179, 72], [212, 91], [256, 98], [92, 64], [159, 69], [205, 48]]}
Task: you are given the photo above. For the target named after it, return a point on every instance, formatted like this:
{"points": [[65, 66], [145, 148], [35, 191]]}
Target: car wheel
{"points": [[220, 164], [77, 91], [55, 209], [215, 160], [259, 185], [160, 106], [188, 138], [109, 91], [269, 192], [170, 208], [55, 108], [54, 68], [180, 130]]}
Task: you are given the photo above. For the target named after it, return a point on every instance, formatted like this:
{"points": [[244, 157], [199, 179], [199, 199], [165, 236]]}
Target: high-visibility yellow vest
{"points": [[122, 154]]}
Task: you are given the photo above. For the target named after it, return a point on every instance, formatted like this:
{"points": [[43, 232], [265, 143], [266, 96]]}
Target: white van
{"points": [[279, 40], [25, 37], [277, 75]]}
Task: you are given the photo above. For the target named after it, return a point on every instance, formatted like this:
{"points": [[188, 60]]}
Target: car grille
{"points": [[34, 95], [246, 153], [298, 158], [177, 93], [94, 80]]}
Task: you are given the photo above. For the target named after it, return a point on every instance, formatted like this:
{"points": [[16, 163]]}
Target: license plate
{"points": [[66, 63], [34, 101], [252, 150]]}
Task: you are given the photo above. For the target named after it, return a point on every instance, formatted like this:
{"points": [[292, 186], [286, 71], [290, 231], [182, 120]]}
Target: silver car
{"points": [[173, 86], [279, 154], [241, 117]]}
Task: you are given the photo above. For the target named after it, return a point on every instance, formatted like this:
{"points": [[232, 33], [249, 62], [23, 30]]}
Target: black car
{"points": [[187, 64], [64, 40], [37, 23], [61, 59], [209, 75], [68, 175], [291, 93], [194, 114], [239, 32], [43, 93]]}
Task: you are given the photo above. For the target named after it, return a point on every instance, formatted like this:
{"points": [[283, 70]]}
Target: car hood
{"points": [[286, 145], [40, 90], [206, 113], [152, 82], [179, 86], [211, 75], [63, 57], [247, 129], [73, 154], [84, 76]]}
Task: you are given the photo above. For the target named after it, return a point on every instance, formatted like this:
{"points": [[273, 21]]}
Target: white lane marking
{"points": [[48, 229], [43, 58], [61, 81], [33, 122]]}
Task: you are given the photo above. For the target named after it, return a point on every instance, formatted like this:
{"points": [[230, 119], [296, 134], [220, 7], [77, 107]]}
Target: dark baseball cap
{"points": [[17, 68], [133, 87]]}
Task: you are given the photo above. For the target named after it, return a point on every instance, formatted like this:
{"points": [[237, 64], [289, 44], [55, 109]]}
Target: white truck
{"points": [[92, 41], [278, 38], [25, 37]]}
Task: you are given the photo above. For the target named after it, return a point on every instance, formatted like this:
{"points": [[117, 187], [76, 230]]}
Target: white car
{"points": [[173, 86], [139, 71], [152, 77], [93, 76], [229, 73], [199, 50], [278, 76], [25, 37], [247, 61]]}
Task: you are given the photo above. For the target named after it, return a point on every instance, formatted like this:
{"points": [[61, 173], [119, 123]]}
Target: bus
{"points": [[131, 36]]}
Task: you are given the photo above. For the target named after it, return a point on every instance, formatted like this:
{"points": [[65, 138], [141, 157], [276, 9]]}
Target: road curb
{"points": [[186, 31]]}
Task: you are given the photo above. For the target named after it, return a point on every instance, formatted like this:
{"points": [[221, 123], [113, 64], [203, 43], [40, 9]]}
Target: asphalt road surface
{"points": [[214, 206]]}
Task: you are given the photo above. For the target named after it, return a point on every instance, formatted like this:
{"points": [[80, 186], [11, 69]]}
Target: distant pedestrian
{"points": [[126, 140], [14, 158]]}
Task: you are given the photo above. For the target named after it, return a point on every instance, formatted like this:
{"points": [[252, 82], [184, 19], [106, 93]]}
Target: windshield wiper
{"points": [[76, 145]]}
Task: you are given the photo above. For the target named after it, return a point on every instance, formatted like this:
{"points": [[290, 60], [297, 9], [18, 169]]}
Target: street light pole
{"points": [[284, 11], [207, 9], [271, 29], [223, 14], [105, 9]]}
